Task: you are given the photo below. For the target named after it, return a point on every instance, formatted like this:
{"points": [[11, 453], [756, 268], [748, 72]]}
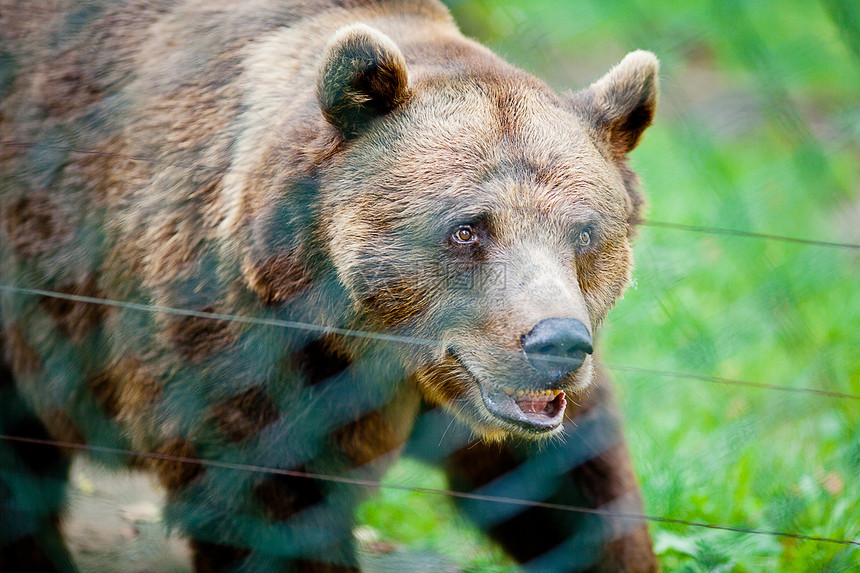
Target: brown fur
{"points": [[245, 414], [605, 481], [34, 224], [294, 172], [124, 391], [61, 427], [278, 278], [196, 337], [76, 318], [282, 496], [21, 356], [176, 464]]}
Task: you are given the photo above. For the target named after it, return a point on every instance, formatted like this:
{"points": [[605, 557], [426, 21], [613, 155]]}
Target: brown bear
{"points": [[254, 246]]}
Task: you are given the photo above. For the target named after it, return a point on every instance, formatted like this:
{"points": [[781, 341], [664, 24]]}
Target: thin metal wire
{"points": [[411, 340], [396, 338], [425, 490], [226, 317], [731, 382], [646, 222], [749, 234]]}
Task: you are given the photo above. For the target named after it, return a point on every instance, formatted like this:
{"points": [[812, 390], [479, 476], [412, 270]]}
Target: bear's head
{"points": [[470, 206]]}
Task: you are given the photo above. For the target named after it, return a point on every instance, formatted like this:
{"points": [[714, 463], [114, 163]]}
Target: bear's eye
{"points": [[464, 235], [584, 239]]}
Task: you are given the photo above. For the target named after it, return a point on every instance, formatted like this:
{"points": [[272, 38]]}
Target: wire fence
{"points": [[504, 500], [410, 340], [646, 222], [423, 490], [321, 329], [809, 157], [385, 485]]}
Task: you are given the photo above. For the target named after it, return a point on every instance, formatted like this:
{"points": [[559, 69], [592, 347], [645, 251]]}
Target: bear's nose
{"points": [[556, 347]]}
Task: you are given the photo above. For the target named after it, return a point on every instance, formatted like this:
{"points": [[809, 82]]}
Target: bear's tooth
{"points": [[520, 393], [508, 390]]}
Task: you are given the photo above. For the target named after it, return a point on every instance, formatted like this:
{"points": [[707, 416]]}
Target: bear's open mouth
{"points": [[537, 411], [534, 410]]}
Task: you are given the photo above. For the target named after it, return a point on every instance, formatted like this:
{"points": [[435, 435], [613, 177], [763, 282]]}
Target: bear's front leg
{"points": [[588, 467], [246, 520]]}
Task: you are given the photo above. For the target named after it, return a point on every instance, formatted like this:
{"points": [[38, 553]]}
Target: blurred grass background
{"points": [[758, 130]]}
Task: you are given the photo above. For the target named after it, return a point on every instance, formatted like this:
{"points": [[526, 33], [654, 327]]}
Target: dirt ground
{"points": [[114, 524]]}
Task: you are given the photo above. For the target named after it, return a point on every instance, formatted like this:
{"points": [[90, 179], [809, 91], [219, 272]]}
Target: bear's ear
{"points": [[621, 104], [362, 76]]}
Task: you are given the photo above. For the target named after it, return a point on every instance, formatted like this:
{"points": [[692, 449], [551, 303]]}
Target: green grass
{"points": [[758, 130]]}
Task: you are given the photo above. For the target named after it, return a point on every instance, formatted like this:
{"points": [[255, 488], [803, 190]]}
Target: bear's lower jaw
{"points": [[537, 412]]}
